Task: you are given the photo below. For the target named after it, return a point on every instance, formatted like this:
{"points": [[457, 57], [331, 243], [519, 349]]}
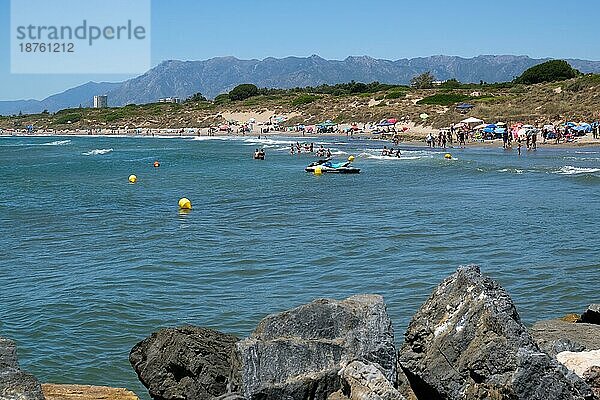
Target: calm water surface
{"points": [[92, 264]]}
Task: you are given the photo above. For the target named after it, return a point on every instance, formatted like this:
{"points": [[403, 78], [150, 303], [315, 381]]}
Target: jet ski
{"points": [[328, 167]]}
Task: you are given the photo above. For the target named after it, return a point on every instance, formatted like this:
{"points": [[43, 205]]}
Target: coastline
{"points": [[166, 133]]}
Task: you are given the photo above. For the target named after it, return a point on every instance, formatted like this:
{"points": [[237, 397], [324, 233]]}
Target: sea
{"points": [[91, 264]]}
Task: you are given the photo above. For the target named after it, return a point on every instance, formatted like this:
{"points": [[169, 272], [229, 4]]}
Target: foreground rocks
{"points": [[14, 383], [85, 392], [184, 363], [299, 353], [467, 342]]}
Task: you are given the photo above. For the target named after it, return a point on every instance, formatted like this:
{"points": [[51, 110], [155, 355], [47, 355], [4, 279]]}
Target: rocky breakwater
{"points": [[14, 383], [465, 342]]}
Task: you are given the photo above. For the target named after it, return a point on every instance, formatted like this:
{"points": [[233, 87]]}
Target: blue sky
{"points": [[392, 29]]}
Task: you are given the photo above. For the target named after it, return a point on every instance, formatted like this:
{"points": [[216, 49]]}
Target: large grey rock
{"points": [[184, 363], [14, 383], [592, 315], [366, 382], [297, 354], [547, 332], [467, 342]]}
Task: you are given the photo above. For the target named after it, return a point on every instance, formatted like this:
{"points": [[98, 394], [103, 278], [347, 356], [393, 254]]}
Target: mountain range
{"points": [[219, 75]]}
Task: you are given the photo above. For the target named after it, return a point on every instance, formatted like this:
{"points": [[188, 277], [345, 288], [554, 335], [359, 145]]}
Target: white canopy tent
{"points": [[472, 120]]}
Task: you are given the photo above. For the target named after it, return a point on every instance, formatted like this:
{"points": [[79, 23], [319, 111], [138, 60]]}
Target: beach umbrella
{"points": [[491, 126], [570, 124], [482, 126], [424, 116], [392, 121], [501, 123], [472, 120]]}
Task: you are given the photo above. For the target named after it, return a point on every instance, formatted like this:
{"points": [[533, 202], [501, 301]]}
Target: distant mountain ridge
{"points": [[218, 75]]}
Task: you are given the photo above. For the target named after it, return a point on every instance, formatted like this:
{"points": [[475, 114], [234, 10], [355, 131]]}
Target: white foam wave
{"points": [[512, 170], [56, 143], [570, 170], [97, 152]]}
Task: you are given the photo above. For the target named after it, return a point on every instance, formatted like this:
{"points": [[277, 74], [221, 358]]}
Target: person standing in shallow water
{"points": [[534, 141], [519, 145]]}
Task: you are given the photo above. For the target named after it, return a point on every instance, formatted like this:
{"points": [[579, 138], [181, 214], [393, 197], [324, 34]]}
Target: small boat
{"points": [[328, 167]]}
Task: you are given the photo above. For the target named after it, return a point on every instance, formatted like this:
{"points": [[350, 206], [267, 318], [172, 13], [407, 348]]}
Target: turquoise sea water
{"points": [[92, 264]]}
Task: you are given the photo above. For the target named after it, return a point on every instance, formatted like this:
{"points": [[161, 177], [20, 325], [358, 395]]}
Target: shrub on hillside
{"points": [[550, 71], [304, 99], [243, 92], [395, 95]]}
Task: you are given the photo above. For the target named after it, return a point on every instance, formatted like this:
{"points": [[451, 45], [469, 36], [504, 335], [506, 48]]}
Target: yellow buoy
{"points": [[351, 158], [448, 156], [318, 170], [185, 204], [132, 179]]}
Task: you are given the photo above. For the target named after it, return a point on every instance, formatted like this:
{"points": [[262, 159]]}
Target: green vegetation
{"points": [[243, 92], [67, 118], [304, 99], [196, 97], [395, 95], [550, 71], [423, 81], [444, 99], [222, 99]]}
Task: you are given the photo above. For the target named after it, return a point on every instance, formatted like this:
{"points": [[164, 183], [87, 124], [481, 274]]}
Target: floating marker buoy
{"points": [[448, 156], [132, 179], [156, 164], [351, 158], [318, 170], [185, 204]]}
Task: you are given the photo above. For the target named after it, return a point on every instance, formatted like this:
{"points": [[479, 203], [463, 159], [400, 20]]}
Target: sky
{"points": [[336, 29]]}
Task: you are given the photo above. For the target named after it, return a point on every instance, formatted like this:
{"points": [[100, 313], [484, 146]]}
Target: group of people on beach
{"points": [[446, 138]]}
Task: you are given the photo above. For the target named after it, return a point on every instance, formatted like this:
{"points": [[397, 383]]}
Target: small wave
{"points": [[56, 143], [512, 170], [97, 152], [570, 170]]}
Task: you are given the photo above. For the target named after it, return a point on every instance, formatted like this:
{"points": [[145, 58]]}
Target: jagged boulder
{"points": [[14, 383], [297, 354], [184, 363], [467, 342], [591, 315]]}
